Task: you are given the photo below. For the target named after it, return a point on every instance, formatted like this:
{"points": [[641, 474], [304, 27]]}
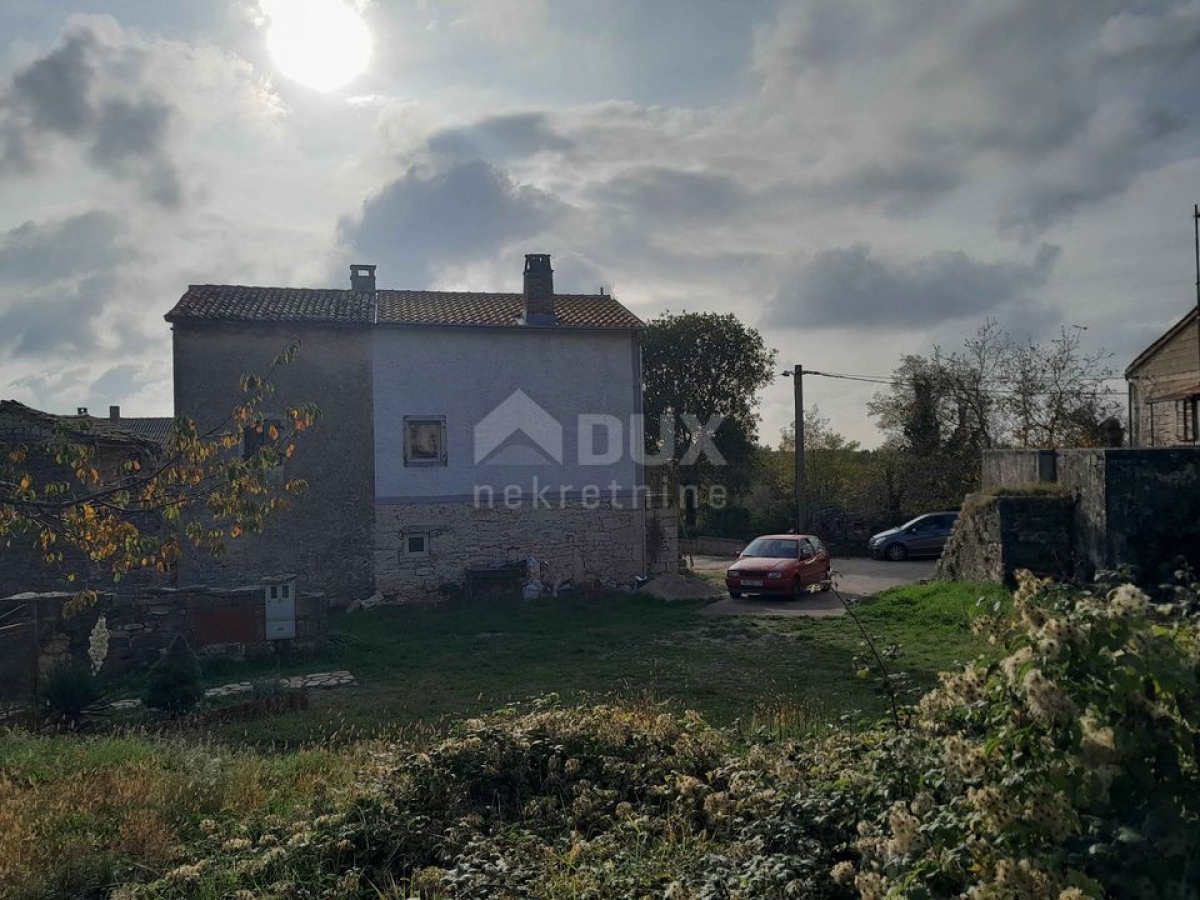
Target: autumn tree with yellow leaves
{"points": [[71, 505]]}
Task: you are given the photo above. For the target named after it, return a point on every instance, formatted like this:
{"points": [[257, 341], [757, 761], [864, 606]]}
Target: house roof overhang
{"points": [[1158, 344]]}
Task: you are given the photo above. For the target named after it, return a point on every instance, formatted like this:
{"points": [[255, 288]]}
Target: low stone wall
{"points": [[712, 546], [1138, 507], [996, 536], [215, 622], [586, 543]]}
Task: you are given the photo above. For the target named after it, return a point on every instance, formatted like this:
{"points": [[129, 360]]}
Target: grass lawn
{"points": [[419, 668]]}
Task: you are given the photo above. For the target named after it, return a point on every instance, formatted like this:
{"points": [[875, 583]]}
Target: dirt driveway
{"points": [[854, 576]]}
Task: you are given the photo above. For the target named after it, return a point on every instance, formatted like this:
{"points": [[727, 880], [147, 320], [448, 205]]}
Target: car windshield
{"points": [[773, 548], [908, 525]]}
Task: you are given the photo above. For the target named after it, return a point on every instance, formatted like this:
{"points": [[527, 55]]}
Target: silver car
{"points": [[924, 536]]}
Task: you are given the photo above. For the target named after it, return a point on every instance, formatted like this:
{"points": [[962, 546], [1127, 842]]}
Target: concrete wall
{"points": [[464, 374], [585, 544], [327, 534], [1174, 366]]}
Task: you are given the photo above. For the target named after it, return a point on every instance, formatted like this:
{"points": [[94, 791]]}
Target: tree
{"points": [[995, 392], [200, 489], [1059, 395], [173, 684], [702, 373]]}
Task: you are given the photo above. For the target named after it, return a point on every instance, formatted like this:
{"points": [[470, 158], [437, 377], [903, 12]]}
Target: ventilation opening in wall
{"points": [[416, 545]]}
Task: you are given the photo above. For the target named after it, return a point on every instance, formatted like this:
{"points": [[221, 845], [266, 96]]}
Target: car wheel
{"points": [[798, 589], [735, 594], [896, 552]]}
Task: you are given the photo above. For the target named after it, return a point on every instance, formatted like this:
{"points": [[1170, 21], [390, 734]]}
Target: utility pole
{"points": [[797, 376], [1196, 229]]}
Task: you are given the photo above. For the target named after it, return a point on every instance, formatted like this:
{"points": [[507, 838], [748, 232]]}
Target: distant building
{"points": [[457, 431], [1164, 387], [114, 441]]}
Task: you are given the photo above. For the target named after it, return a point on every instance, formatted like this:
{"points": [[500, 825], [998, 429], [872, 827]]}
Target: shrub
{"points": [[1066, 769], [174, 681], [72, 693]]}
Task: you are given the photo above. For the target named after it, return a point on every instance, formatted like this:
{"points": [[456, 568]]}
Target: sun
{"points": [[322, 44]]}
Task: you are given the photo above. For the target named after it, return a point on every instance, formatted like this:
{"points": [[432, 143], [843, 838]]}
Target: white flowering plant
{"points": [[1066, 767]]}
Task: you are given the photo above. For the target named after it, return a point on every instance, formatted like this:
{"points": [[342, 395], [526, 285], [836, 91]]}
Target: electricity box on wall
{"points": [[280, 595]]}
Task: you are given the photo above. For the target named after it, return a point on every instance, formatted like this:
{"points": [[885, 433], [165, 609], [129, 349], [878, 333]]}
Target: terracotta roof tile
{"points": [[235, 303]]}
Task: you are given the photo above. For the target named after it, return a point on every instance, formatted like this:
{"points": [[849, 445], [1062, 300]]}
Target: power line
{"points": [[893, 381]]}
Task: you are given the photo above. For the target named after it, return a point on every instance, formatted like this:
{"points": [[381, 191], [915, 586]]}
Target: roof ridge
{"points": [[454, 292]]}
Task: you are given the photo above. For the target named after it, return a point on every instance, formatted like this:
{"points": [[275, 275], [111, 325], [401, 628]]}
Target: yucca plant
{"points": [[72, 693]]}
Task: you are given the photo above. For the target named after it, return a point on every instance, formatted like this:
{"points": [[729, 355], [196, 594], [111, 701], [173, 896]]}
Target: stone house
{"points": [[1164, 388], [114, 440], [459, 431]]}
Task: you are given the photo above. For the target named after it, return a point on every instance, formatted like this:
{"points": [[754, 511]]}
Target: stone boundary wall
{"points": [[996, 536], [712, 546], [584, 543], [1138, 506], [216, 622]]}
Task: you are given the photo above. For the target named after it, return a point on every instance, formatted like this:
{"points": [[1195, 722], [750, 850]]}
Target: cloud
{"points": [[56, 280], [91, 91], [907, 105], [56, 317], [426, 220], [849, 287], [659, 193], [499, 137], [39, 253]]}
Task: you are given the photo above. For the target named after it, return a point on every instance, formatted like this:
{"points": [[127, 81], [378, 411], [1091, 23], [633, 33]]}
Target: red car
{"points": [[780, 564]]}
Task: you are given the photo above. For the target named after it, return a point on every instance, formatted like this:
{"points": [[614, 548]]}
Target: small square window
{"points": [[416, 545], [424, 440]]}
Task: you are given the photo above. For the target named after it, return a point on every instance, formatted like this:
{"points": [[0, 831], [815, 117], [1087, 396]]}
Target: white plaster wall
{"points": [[465, 373]]}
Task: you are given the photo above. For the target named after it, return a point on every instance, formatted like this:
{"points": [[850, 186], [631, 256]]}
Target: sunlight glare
{"points": [[322, 44]]}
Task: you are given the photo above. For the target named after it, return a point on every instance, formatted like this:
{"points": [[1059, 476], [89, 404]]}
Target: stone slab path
{"points": [[315, 680]]}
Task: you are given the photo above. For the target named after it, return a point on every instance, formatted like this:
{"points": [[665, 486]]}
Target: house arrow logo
{"points": [[518, 432]]}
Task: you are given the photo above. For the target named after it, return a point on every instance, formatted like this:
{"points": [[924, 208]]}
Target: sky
{"points": [[857, 179]]}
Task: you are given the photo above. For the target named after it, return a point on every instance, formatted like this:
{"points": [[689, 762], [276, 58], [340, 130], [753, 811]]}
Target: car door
{"points": [[923, 536], [808, 562]]}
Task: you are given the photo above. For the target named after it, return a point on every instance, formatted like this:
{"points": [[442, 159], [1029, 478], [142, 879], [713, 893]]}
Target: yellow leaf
{"points": [[274, 433], [25, 484]]}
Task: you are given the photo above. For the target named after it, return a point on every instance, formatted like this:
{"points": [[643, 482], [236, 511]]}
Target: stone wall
{"points": [[216, 622], [582, 542], [326, 536], [1138, 507], [1018, 467], [995, 536]]}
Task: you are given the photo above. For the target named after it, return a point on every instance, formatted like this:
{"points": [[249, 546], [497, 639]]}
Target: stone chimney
{"points": [[114, 414], [539, 290], [362, 277]]}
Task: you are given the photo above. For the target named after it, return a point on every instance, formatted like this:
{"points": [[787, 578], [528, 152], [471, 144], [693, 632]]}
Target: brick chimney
{"points": [[114, 414], [362, 277], [539, 290]]}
